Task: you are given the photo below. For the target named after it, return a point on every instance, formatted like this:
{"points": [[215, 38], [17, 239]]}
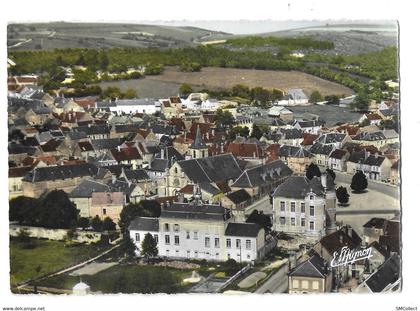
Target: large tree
{"points": [[342, 195], [97, 224], [331, 173], [224, 118], [258, 217], [24, 210], [57, 211], [146, 208], [108, 224], [315, 97], [312, 171], [149, 246], [359, 182], [127, 247]]}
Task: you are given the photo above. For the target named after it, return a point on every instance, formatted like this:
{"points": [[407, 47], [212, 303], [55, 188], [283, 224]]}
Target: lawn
{"points": [[126, 278], [40, 257]]}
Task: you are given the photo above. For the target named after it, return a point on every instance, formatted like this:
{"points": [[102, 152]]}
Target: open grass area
{"points": [[39, 257], [127, 278]]}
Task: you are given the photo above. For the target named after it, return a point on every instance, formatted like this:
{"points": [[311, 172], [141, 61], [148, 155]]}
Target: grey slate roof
{"points": [[242, 230], [136, 175], [211, 169], [106, 144], [374, 160], [263, 174], [315, 267], [195, 211], [370, 136], [93, 129], [239, 196], [318, 148], [61, 172], [388, 273], [294, 151], [86, 187], [299, 187], [330, 138], [150, 224]]}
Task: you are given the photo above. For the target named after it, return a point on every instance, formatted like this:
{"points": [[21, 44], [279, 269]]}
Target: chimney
{"points": [[119, 148], [324, 180], [114, 179], [162, 153], [341, 238]]}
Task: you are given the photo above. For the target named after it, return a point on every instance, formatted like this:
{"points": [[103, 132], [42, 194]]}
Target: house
{"points": [[337, 140], [321, 153], [385, 232], [198, 149], [81, 195], [245, 151], [377, 167], [309, 126], [95, 131], [294, 97], [385, 280], [376, 138], [334, 242], [107, 204], [305, 207], [64, 177], [236, 201], [281, 113], [394, 175], [310, 276], [261, 179], [15, 180], [201, 231], [337, 160], [139, 227], [138, 105], [218, 168], [127, 156], [290, 136], [370, 119], [296, 158]]}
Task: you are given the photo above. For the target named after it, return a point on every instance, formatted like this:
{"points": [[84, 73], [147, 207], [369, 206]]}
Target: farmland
{"points": [[218, 78]]}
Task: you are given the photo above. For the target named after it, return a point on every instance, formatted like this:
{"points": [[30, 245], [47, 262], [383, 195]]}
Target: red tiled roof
{"points": [[50, 146], [338, 154], [19, 171], [187, 189], [245, 150], [373, 116], [85, 146], [308, 139], [126, 154]]}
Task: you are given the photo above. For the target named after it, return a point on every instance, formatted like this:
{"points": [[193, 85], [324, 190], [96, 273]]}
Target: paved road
{"points": [[387, 189], [277, 283]]}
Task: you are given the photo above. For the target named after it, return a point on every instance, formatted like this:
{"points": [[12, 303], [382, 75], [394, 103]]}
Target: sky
{"points": [[254, 27]]}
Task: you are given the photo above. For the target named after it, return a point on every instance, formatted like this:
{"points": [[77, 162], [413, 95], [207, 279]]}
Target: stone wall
{"points": [[55, 234]]}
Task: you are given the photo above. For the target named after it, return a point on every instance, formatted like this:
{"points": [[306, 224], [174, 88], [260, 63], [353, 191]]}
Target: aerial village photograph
{"points": [[203, 157]]}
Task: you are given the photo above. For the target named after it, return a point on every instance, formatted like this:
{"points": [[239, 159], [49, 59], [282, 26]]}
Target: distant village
{"points": [[189, 155]]}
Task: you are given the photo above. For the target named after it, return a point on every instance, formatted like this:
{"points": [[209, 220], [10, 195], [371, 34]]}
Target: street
{"points": [[278, 283]]}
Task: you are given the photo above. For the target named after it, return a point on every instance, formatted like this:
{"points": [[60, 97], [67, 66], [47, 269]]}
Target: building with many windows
{"points": [[305, 207], [200, 231]]}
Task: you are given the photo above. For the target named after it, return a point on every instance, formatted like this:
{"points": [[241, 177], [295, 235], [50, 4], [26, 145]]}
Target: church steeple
{"points": [[198, 149]]}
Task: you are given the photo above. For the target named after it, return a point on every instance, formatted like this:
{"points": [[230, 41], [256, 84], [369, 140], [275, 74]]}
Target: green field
{"points": [[129, 278], [40, 257]]}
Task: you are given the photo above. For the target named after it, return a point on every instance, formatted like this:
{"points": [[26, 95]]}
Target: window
{"points": [[216, 242], [302, 208], [207, 241], [248, 256], [295, 283], [228, 243], [302, 222], [137, 237], [176, 170], [177, 240], [293, 221], [238, 243], [312, 210], [315, 285], [177, 253], [311, 197], [195, 235], [176, 228], [292, 207], [248, 244], [305, 285], [282, 206], [188, 235], [283, 221], [188, 254], [166, 227], [167, 253], [167, 239], [156, 237], [311, 225], [195, 254], [104, 211]]}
